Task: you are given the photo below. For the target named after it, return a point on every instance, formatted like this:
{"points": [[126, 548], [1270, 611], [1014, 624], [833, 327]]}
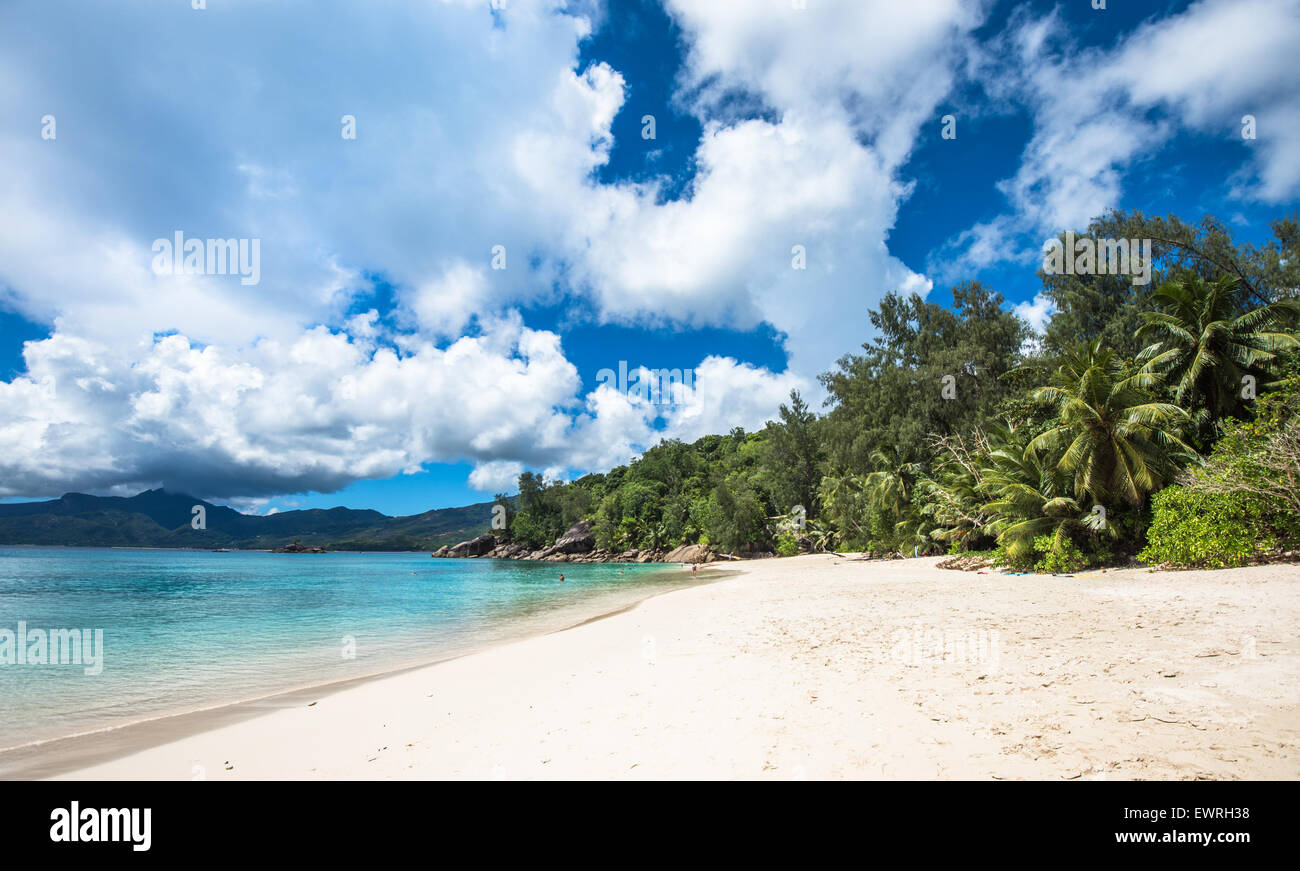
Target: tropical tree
{"points": [[953, 501], [932, 369], [1028, 497], [821, 534], [844, 508], [1113, 439], [889, 487], [890, 494], [1259, 459], [1207, 346], [791, 457]]}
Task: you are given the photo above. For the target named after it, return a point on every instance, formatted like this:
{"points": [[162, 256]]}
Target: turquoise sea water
{"points": [[184, 630]]}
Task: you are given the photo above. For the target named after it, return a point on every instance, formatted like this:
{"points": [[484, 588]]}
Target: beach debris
{"points": [[965, 562]]}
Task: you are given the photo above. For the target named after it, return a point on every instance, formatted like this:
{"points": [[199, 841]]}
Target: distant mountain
{"points": [[156, 518]]}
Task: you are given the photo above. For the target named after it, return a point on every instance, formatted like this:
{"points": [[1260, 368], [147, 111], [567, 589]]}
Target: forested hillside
{"points": [[156, 518]]}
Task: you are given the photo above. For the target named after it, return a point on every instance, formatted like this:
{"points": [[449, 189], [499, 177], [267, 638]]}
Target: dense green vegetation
{"points": [[1159, 420]]}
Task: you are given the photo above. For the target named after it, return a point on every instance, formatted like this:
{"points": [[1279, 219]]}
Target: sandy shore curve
{"points": [[820, 667]]}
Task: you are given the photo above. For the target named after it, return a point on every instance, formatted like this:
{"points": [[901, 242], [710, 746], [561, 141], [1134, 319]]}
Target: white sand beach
{"points": [[823, 667]]}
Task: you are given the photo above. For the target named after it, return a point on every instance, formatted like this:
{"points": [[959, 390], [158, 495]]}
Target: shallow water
{"points": [[184, 630]]}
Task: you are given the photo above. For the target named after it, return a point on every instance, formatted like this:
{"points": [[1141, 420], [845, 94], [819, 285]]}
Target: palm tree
{"points": [[821, 534], [888, 491], [953, 499], [889, 487], [1112, 438], [1028, 497], [1205, 344], [842, 501]]}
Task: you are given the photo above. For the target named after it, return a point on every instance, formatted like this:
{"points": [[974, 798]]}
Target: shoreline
{"points": [[718, 558], [819, 667], [49, 757]]}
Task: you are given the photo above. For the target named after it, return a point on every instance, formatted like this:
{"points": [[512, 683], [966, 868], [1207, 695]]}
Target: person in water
{"points": [[561, 579]]}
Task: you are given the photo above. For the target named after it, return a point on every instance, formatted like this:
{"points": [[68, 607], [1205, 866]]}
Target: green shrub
{"points": [[1058, 553], [1205, 530], [526, 530], [1061, 555], [786, 545], [1003, 559]]}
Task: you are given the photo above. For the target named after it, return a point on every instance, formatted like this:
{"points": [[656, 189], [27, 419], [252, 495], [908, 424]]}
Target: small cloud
{"points": [[496, 476], [1037, 312]]}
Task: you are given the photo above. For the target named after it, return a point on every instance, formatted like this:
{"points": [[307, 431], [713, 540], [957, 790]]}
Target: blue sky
{"points": [[382, 361]]}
